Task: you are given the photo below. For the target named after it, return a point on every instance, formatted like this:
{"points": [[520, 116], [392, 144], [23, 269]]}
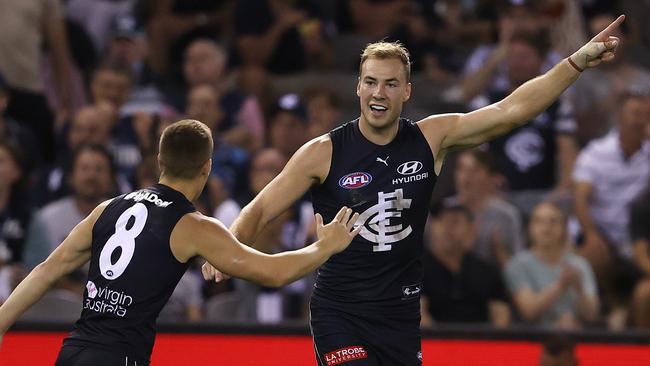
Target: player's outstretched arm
{"points": [[309, 165], [71, 254], [464, 130], [196, 234]]}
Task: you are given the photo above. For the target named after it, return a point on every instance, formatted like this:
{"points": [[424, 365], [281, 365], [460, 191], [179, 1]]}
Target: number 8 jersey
{"points": [[132, 271]]}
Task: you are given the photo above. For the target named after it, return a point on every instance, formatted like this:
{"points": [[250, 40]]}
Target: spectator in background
{"points": [[323, 110], [92, 182], [91, 125], [536, 159], [131, 135], [229, 162], [609, 173], [458, 286], [288, 231], [186, 302], [62, 304], [15, 132], [14, 207], [97, 17], [597, 95], [487, 69], [283, 36], [640, 236], [549, 284], [241, 122], [288, 125], [127, 46], [498, 225], [171, 23], [371, 19], [15, 215], [24, 27]]}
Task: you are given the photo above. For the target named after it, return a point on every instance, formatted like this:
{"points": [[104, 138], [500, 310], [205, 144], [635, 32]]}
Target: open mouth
{"points": [[378, 110]]}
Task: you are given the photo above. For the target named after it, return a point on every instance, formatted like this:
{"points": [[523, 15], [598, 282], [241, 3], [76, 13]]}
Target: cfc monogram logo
{"points": [[376, 220]]}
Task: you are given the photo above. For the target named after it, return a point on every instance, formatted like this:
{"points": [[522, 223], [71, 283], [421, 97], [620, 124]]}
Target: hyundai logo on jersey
{"points": [[355, 180], [410, 167]]}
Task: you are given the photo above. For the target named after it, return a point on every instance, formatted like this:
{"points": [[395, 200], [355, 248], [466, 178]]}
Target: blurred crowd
{"points": [[546, 226]]}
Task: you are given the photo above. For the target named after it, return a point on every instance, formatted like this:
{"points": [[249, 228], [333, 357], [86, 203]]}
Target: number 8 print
{"points": [[123, 238]]}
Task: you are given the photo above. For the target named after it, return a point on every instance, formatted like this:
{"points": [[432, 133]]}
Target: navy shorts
{"points": [[77, 355], [347, 338]]}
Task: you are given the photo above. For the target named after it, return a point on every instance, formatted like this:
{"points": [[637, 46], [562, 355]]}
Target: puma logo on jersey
{"points": [[144, 195], [385, 161]]}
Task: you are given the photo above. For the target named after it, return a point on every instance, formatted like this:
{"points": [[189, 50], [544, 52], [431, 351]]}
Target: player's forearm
{"points": [[534, 96], [28, 292], [248, 224], [289, 266]]}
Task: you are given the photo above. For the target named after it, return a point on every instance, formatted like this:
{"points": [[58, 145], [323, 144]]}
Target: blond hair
{"points": [[184, 147], [386, 50]]}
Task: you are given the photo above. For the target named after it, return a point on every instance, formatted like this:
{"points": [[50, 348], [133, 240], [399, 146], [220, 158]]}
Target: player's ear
{"points": [[358, 86], [160, 165], [407, 92], [207, 168]]}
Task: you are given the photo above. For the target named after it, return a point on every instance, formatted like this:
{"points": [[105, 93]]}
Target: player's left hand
{"points": [[600, 48], [210, 273]]}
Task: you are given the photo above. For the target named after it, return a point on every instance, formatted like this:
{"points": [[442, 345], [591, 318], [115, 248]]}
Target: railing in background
{"points": [[290, 344]]}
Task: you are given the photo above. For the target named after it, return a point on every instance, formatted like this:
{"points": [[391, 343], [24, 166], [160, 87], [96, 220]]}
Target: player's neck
{"points": [[378, 136], [189, 188]]}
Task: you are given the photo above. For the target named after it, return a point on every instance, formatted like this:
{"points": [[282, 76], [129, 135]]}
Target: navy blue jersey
{"points": [[390, 186], [132, 271]]}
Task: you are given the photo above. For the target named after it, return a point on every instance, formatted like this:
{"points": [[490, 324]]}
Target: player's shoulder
{"points": [[315, 148], [436, 121]]}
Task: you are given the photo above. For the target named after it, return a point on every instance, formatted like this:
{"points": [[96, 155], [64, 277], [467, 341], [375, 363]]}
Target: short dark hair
{"points": [[184, 147], [485, 159], [99, 149], [451, 205]]}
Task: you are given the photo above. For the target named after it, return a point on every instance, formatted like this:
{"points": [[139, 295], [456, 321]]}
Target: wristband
{"points": [[574, 64]]}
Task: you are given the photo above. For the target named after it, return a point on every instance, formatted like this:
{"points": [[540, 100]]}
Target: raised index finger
{"points": [[605, 33]]}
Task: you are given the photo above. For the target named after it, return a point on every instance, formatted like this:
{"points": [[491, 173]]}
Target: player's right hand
{"points": [[211, 273], [339, 232]]}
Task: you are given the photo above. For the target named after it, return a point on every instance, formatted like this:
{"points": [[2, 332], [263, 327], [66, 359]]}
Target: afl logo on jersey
{"points": [[410, 167], [355, 180]]}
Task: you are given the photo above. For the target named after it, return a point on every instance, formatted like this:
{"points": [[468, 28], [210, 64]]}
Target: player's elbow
{"points": [[272, 279]]}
